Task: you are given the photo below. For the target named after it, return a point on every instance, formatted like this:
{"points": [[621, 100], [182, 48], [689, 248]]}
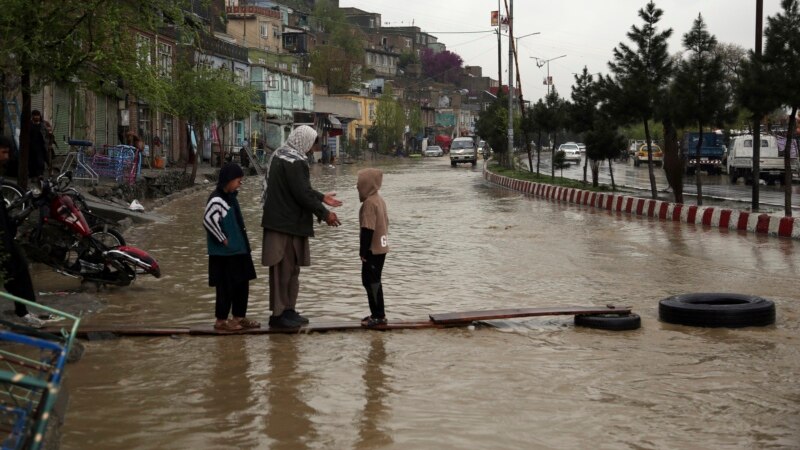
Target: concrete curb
{"points": [[723, 219]]}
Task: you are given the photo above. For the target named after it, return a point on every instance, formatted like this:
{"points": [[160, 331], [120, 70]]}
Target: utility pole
{"points": [[499, 50], [757, 117], [510, 151]]}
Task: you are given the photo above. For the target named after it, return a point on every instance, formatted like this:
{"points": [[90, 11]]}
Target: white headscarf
{"points": [[297, 145]]}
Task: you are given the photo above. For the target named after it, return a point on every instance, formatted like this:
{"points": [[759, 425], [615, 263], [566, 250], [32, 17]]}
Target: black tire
{"points": [[10, 192], [717, 310], [108, 236], [733, 176], [453, 163], [474, 163], [613, 322]]}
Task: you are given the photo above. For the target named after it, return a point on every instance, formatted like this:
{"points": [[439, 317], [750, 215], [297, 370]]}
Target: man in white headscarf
{"points": [[289, 206]]}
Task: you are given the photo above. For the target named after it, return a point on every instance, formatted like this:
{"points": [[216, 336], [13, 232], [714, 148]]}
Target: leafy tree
{"points": [[492, 126], [603, 142], [49, 41], [782, 56], [529, 127], [337, 64], [641, 74], [539, 119], [552, 119], [701, 79], [583, 108], [390, 121], [188, 98], [444, 67], [560, 161], [407, 58]]}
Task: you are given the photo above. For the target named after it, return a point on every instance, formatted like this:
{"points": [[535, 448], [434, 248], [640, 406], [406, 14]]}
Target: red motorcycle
{"points": [[61, 238]]}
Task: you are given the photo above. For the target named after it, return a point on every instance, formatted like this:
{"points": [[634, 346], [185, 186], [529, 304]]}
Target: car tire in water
{"points": [[717, 310], [613, 322]]}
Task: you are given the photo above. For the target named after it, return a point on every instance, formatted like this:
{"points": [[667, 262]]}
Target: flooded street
{"points": [[457, 244]]}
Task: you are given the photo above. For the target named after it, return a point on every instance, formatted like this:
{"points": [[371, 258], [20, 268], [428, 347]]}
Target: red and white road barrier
{"points": [[723, 219]]}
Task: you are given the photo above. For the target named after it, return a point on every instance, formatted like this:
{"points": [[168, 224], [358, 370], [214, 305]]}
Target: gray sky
{"points": [[586, 31]]}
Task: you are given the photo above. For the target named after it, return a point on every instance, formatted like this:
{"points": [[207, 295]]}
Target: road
{"points": [[714, 186]]}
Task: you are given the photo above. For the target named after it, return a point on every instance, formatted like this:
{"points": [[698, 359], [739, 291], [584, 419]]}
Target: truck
{"points": [[771, 165], [712, 152]]}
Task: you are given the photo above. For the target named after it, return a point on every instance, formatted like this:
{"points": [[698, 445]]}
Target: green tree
{"points": [[390, 122], [700, 78], [552, 119], [782, 56], [560, 161], [188, 97], [492, 126], [49, 41], [603, 142], [539, 119], [641, 74], [338, 63], [530, 127], [583, 109]]}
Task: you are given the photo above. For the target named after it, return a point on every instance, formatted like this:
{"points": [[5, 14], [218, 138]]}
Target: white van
{"points": [[740, 159], [463, 150]]}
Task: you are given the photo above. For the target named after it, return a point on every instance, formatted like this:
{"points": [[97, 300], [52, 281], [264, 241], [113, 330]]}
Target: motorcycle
{"points": [[61, 238]]}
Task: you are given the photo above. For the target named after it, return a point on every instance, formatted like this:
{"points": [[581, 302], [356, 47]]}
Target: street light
{"points": [[540, 62]]}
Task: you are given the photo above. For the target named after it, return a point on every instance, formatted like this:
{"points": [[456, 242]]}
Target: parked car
{"points": [[571, 152], [434, 150], [582, 147], [463, 150], [641, 155]]}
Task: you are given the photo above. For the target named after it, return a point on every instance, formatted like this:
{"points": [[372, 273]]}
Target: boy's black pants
{"points": [[232, 296], [371, 270]]}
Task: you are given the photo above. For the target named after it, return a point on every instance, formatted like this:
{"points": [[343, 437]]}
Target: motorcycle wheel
{"points": [[108, 236], [10, 192]]}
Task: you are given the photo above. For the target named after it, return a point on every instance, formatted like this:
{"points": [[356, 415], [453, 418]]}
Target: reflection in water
{"points": [[372, 432], [287, 420]]}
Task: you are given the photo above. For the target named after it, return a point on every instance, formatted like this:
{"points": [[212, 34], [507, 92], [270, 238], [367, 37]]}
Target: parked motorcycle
{"points": [[53, 230]]}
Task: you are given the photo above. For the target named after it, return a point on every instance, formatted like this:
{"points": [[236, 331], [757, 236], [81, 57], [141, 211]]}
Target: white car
{"points": [[571, 152], [434, 150]]}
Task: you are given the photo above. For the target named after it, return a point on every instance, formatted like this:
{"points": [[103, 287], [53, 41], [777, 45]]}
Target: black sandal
{"points": [[375, 322]]}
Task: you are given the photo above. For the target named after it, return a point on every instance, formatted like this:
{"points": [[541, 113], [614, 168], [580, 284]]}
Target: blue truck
{"points": [[712, 152]]}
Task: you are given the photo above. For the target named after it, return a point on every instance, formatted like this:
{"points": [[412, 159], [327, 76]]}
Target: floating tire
{"points": [[717, 310], [613, 322]]}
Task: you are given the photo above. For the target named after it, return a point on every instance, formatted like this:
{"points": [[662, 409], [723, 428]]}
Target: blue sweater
{"points": [[222, 220]]}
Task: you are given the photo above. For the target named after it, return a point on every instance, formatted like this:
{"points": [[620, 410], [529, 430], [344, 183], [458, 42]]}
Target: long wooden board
{"points": [[442, 320], [465, 318]]}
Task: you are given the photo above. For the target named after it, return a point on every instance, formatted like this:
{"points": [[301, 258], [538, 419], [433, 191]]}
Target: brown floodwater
{"points": [[457, 244]]}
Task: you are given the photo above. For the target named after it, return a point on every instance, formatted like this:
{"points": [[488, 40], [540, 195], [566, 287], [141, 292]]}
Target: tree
{"points": [[46, 41], [444, 67], [529, 127], [560, 161], [700, 79], [782, 56], [552, 119], [539, 118], [603, 142], [188, 98], [337, 64], [641, 74], [492, 126], [390, 121], [583, 109]]}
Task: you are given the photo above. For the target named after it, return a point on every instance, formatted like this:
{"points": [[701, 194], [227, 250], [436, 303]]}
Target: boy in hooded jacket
{"points": [[373, 221], [230, 266]]}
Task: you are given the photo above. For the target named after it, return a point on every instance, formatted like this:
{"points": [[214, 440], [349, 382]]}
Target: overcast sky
{"points": [[585, 30]]}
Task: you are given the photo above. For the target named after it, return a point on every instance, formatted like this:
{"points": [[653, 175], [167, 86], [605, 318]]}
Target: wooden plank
{"points": [[465, 318], [316, 327], [103, 331]]}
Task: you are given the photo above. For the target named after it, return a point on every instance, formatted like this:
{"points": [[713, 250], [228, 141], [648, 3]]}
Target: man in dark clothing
{"points": [[14, 266], [290, 204], [37, 153]]}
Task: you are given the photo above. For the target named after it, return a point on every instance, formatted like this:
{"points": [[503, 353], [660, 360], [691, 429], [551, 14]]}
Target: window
{"points": [[143, 49], [371, 111], [294, 68], [261, 61], [165, 59], [384, 41], [283, 66], [295, 86], [143, 125], [240, 76], [307, 88], [285, 83], [264, 26], [272, 82], [408, 43]]}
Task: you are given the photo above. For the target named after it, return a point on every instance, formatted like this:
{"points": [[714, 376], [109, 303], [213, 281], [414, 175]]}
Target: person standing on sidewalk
{"points": [[37, 156], [289, 206], [15, 274]]}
